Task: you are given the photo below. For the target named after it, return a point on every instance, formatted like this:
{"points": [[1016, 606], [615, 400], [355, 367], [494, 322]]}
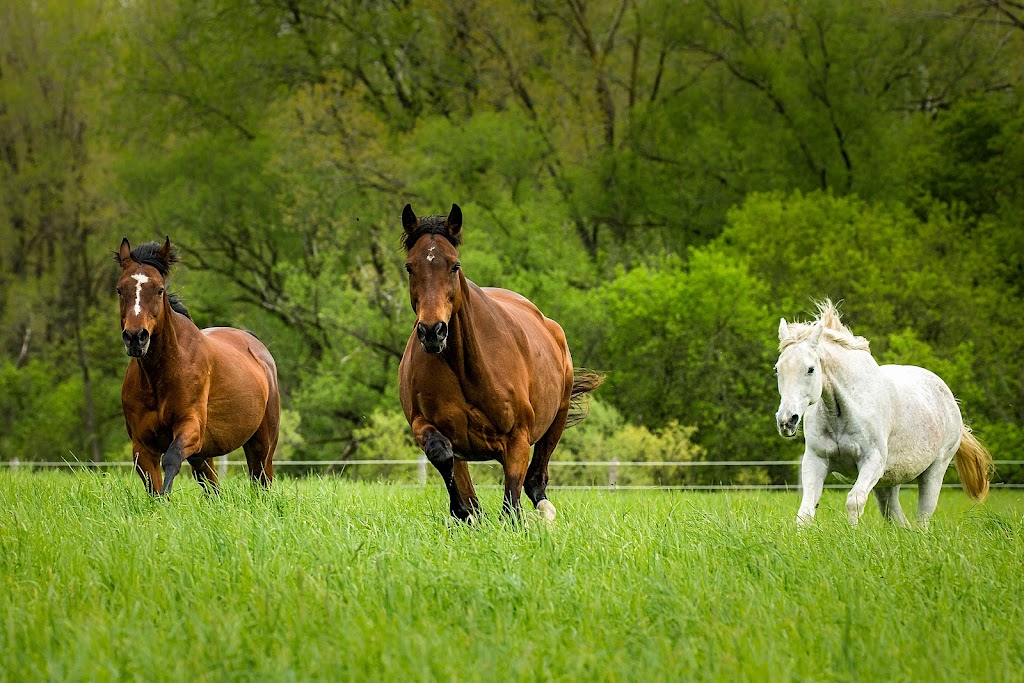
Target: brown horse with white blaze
{"points": [[189, 394], [485, 375]]}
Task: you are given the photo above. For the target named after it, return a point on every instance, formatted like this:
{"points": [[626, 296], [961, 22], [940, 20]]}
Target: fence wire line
{"points": [[420, 461], [611, 486]]}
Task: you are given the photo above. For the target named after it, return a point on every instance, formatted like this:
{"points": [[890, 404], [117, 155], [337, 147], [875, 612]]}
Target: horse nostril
{"points": [[421, 331], [441, 330], [126, 336], [143, 336]]}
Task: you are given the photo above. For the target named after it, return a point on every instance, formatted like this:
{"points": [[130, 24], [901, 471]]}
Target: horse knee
{"points": [[438, 449]]}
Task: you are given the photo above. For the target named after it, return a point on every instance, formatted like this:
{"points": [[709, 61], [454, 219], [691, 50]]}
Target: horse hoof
{"points": [[546, 510]]}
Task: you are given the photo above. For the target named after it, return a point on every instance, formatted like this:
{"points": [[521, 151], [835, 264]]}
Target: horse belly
{"points": [[912, 450], [232, 421]]}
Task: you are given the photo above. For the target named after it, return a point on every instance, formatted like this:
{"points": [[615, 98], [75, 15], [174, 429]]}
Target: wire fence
{"points": [[613, 468]]}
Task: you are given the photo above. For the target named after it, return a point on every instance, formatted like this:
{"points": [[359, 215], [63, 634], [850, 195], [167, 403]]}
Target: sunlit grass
{"points": [[327, 579]]}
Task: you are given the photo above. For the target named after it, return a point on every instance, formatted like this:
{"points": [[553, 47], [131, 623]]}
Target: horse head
{"points": [[800, 379], [435, 280], [141, 292]]}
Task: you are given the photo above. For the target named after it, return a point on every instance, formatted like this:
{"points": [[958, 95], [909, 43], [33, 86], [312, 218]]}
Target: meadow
{"points": [[327, 579]]}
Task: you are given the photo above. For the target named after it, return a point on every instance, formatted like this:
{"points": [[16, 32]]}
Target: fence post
{"points": [[421, 469], [222, 468], [613, 472]]}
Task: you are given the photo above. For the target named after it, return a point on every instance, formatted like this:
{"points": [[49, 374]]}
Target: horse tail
{"points": [[583, 382], [973, 464]]}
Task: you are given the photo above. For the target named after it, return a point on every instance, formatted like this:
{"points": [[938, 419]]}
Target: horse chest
{"points": [[486, 432], [840, 447]]}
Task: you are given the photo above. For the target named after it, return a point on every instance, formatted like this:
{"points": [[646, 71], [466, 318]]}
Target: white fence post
{"points": [[613, 472], [421, 469], [222, 468]]}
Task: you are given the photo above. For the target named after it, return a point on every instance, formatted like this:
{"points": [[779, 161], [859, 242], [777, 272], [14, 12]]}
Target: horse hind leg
{"points": [[929, 484], [536, 485], [205, 473], [889, 505], [259, 453], [259, 449]]}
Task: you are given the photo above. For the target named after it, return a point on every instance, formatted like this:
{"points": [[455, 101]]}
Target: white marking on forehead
{"points": [[139, 280], [430, 253]]}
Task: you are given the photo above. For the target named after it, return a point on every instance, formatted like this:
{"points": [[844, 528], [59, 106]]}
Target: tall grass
{"points": [[333, 580]]}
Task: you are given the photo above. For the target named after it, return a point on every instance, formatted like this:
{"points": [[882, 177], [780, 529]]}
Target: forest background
{"points": [[664, 178]]}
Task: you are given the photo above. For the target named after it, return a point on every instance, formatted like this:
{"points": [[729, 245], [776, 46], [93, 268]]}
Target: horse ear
{"points": [[783, 329], [816, 335], [409, 220], [453, 223], [165, 251], [124, 254]]}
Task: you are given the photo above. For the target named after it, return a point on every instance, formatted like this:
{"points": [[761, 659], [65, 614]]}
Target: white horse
{"points": [[885, 425]]}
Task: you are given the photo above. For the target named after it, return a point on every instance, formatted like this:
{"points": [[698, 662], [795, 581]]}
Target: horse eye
{"points": [[408, 269], [160, 292], [456, 267], [119, 291]]}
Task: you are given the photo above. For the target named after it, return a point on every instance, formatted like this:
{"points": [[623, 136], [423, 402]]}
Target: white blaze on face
{"points": [[139, 280], [430, 254]]}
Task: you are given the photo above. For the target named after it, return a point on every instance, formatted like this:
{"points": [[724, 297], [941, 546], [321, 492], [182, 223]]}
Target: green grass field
{"points": [[333, 580]]}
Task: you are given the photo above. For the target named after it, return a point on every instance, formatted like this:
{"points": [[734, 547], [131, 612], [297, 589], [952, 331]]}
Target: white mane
{"points": [[833, 330]]}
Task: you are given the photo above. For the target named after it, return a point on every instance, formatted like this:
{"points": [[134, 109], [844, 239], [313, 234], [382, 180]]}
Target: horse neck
{"points": [[845, 372], [173, 342], [464, 352]]}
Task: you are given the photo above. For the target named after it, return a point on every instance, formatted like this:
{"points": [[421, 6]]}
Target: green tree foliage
{"points": [[665, 179], [690, 342], [926, 288]]}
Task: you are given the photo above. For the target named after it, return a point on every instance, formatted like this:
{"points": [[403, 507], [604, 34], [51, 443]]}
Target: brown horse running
{"points": [[484, 376], [189, 394]]}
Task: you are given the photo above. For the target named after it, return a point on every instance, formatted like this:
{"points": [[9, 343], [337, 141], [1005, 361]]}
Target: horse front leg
{"points": [[147, 466], [869, 471], [813, 470], [466, 489], [187, 442], [438, 450]]}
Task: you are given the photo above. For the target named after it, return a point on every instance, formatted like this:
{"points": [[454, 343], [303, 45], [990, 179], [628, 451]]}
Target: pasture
{"points": [[333, 580]]}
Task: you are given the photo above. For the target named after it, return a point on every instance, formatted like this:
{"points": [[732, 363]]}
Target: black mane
{"points": [[430, 225], [177, 305], [148, 254]]}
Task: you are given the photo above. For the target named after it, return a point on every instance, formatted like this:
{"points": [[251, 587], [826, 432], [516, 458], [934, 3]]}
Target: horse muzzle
{"points": [[432, 337], [788, 425], [136, 343]]}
